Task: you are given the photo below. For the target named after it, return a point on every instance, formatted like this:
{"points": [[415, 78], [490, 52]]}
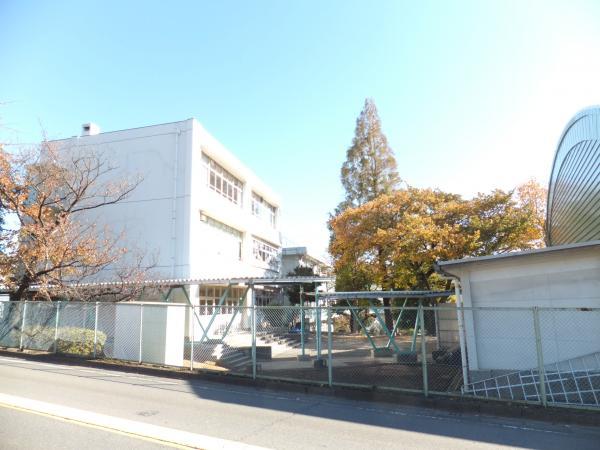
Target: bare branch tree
{"points": [[59, 244]]}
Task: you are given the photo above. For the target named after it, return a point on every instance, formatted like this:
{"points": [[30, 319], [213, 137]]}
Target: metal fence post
{"points": [[57, 321], [302, 345], [192, 338], [253, 326], [23, 325], [437, 327], [329, 346], [96, 329], [318, 325], [540, 356], [141, 331], [462, 337], [421, 313]]}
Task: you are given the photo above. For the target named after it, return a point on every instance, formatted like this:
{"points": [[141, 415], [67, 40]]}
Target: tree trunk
{"points": [[17, 295], [389, 319], [353, 324]]}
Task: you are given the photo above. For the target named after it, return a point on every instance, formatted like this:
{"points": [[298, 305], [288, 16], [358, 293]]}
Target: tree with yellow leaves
{"points": [[396, 239]]}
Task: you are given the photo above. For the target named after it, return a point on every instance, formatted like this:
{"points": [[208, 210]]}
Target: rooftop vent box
{"points": [[90, 129]]}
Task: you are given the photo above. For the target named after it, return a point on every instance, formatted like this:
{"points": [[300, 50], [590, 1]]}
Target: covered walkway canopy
{"points": [[247, 281]]}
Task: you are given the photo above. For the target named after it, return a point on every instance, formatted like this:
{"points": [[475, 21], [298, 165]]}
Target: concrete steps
{"points": [[236, 361], [235, 354], [280, 342], [223, 355]]}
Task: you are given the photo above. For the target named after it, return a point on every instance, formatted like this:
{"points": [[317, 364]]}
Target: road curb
{"points": [[459, 405]]}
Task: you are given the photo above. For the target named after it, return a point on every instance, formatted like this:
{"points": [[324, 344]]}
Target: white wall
{"points": [[155, 218], [162, 216], [447, 326], [162, 333], [218, 208], [127, 332], [504, 339]]}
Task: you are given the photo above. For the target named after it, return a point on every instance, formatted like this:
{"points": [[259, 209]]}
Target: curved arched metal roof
{"points": [[573, 213]]}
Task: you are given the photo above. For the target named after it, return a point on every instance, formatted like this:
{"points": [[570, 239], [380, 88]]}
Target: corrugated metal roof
{"points": [[198, 281]]}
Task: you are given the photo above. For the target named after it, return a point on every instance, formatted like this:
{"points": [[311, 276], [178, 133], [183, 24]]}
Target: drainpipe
{"points": [[461, 321], [461, 333], [174, 206]]}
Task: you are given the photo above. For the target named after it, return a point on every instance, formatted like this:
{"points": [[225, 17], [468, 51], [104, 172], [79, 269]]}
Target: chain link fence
{"points": [[220, 339], [548, 356]]}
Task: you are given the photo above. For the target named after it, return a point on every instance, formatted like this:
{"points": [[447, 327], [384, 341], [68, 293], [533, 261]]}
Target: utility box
{"points": [[162, 333]]}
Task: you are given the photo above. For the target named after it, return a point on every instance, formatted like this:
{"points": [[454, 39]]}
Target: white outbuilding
{"points": [[507, 296]]}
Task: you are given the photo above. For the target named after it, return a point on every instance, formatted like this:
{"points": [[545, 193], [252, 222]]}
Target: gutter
{"points": [[439, 266]]}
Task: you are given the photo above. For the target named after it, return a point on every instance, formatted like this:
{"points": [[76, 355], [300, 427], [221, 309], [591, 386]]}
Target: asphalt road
{"points": [[25, 430], [245, 415]]}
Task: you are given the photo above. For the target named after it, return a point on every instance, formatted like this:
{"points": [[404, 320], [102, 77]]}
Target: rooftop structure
{"points": [[293, 257], [574, 190]]}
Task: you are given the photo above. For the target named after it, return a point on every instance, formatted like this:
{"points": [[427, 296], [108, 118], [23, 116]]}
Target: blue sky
{"points": [[472, 95]]}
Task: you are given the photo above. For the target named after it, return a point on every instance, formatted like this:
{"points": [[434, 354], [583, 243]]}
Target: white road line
{"points": [[141, 429]]}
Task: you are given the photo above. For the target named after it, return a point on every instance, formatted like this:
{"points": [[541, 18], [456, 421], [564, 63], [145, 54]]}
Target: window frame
{"points": [[264, 251], [222, 182], [264, 210]]}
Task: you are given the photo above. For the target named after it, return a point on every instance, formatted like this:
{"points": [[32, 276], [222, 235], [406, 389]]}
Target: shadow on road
{"points": [[514, 432], [470, 427]]}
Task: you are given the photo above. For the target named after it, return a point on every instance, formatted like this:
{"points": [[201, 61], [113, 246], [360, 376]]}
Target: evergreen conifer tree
{"points": [[370, 167], [368, 172]]}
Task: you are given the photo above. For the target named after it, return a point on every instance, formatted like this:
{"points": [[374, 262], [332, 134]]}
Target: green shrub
{"points": [[80, 341], [38, 337], [71, 340]]}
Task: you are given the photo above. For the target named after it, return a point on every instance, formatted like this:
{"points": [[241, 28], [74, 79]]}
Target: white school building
{"points": [[198, 212], [198, 208]]}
